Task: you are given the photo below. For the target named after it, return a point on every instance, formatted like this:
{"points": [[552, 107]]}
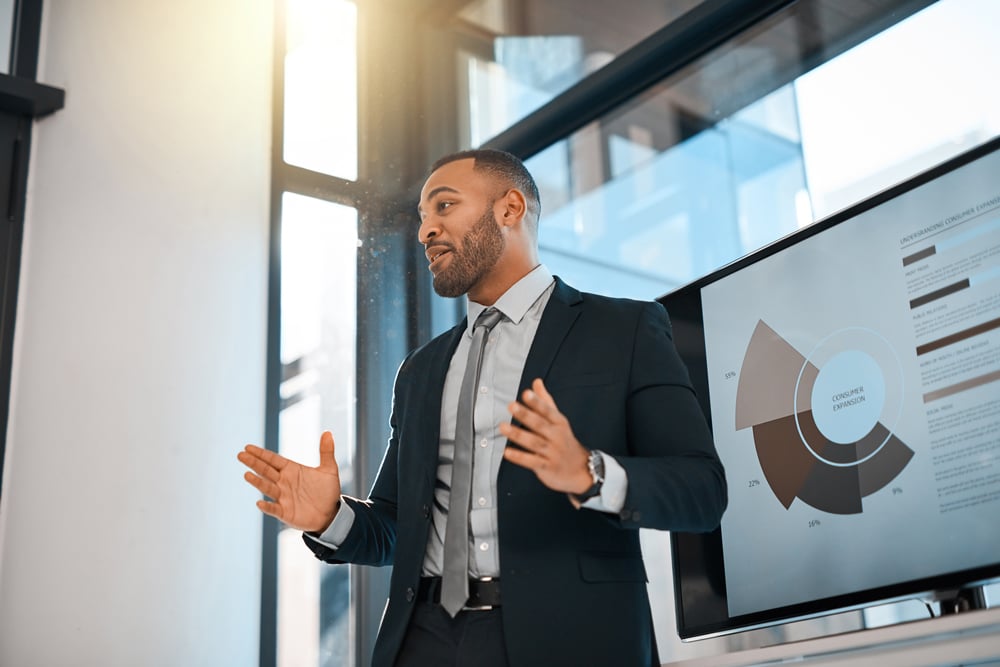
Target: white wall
{"points": [[127, 536]]}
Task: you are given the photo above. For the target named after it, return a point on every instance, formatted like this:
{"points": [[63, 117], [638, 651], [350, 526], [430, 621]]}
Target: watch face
{"points": [[596, 465]]}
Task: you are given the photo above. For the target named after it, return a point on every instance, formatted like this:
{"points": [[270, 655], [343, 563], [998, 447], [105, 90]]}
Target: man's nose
{"points": [[428, 230]]}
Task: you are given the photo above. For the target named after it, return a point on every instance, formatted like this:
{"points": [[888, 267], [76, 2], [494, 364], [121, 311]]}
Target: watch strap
{"points": [[595, 463]]}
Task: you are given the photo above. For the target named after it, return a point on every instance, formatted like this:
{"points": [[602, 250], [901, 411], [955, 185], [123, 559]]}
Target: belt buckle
{"points": [[485, 607]]}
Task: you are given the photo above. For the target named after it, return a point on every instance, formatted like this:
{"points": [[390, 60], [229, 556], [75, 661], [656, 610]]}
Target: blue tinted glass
{"points": [[688, 177], [520, 55]]}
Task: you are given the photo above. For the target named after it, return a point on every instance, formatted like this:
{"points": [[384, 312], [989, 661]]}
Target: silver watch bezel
{"points": [[595, 464]]}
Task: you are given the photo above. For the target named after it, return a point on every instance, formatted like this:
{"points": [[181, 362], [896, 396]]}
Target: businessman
{"points": [[528, 445]]}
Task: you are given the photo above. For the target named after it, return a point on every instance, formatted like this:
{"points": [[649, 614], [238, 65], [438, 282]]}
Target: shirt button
{"points": [[410, 594], [483, 390], [484, 442], [482, 502], [484, 546]]}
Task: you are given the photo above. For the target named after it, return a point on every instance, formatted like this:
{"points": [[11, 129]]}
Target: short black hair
{"points": [[505, 167]]}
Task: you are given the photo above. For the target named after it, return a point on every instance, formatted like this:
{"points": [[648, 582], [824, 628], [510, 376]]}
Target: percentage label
{"points": [[753, 483], [730, 375], [814, 522], [896, 490]]}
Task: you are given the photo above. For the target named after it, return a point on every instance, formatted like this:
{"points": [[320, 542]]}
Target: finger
{"points": [[267, 487], [529, 417], [540, 400], [539, 386], [524, 459], [547, 400], [259, 466], [269, 508], [326, 450], [524, 438], [274, 459]]}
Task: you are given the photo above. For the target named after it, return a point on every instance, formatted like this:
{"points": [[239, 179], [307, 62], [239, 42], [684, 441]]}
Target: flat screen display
{"points": [[851, 375]]}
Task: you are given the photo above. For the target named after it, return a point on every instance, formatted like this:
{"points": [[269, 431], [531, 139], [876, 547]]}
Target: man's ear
{"points": [[514, 206]]}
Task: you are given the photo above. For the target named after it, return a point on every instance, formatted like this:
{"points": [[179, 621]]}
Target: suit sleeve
{"points": [[675, 479], [372, 538]]}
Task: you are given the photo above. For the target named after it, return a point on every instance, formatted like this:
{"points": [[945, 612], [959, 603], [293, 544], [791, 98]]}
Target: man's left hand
{"points": [[547, 444]]}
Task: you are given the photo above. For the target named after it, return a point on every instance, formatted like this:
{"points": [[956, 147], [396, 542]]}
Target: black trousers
{"points": [[471, 639]]}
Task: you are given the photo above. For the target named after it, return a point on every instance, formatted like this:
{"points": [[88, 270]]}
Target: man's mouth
{"points": [[436, 254]]}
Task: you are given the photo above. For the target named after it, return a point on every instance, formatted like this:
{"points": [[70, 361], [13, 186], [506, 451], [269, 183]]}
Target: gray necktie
{"points": [[455, 579]]}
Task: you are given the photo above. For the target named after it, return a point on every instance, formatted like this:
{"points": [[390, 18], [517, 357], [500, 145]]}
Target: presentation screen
{"points": [[851, 375]]}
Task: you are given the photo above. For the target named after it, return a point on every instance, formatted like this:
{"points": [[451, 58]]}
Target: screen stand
{"points": [[961, 600]]}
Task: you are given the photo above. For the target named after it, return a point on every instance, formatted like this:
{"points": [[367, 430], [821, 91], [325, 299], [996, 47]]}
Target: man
{"points": [[585, 429]]}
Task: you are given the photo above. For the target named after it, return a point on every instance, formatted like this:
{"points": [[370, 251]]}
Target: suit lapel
{"points": [[429, 428], [557, 319]]}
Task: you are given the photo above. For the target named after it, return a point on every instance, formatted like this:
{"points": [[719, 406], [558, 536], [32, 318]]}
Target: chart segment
{"points": [[822, 422]]}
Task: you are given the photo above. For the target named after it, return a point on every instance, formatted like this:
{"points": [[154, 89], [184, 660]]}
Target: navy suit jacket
{"points": [[573, 581]]}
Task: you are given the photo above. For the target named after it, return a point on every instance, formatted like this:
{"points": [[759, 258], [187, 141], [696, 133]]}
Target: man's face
{"points": [[459, 229]]}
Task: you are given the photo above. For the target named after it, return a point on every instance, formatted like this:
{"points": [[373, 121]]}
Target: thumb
{"points": [[326, 456]]}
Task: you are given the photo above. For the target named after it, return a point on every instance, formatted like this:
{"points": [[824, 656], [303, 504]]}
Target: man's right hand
{"points": [[303, 497]]}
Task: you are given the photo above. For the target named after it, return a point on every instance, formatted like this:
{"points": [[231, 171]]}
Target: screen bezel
{"points": [[698, 572]]}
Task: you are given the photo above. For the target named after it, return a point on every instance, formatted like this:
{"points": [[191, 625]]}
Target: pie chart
{"points": [[823, 420]]}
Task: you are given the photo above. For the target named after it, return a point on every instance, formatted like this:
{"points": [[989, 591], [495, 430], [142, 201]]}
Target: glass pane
{"points": [[321, 87], [747, 144], [900, 103], [6, 33], [520, 55], [298, 602], [625, 217], [319, 242]]}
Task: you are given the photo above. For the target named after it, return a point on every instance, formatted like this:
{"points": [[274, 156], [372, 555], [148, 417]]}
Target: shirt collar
{"points": [[517, 300]]}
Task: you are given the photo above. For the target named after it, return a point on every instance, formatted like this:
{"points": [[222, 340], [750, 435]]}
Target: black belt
{"points": [[484, 594]]}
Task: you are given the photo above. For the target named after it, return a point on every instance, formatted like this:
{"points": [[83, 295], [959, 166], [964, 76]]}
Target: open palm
{"points": [[303, 497]]}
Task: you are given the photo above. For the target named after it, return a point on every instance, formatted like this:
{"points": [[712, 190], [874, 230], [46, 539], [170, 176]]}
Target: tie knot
{"points": [[488, 318]]}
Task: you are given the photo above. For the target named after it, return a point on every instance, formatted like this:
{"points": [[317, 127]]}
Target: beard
{"points": [[479, 252]]}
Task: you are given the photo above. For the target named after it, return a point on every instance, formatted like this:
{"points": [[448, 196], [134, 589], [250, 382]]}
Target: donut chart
{"points": [[823, 422]]}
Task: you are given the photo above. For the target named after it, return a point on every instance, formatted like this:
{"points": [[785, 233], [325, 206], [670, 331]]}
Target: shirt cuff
{"points": [[337, 531], [613, 491]]}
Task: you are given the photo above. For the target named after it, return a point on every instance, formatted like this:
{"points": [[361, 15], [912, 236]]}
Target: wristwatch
{"points": [[595, 464]]}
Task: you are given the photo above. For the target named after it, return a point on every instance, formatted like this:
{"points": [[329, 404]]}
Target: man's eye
{"points": [[442, 205]]}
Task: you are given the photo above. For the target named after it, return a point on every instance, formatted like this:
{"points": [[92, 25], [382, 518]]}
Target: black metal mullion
{"points": [[291, 178]]}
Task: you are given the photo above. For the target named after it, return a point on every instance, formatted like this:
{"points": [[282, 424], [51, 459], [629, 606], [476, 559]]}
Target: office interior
{"points": [[211, 241]]}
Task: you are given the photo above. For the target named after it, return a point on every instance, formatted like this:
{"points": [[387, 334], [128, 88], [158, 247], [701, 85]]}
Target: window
{"points": [[731, 153], [321, 103], [319, 243], [899, 103], [516, 56], [306, 613]]}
